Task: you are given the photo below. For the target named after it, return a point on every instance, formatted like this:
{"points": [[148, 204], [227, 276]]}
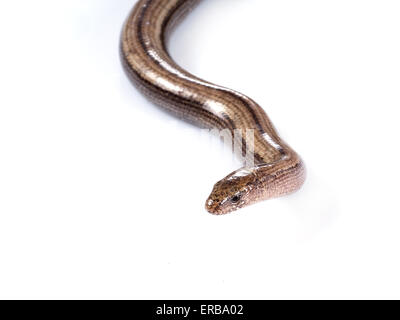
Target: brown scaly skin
{"points": [[278, 170]]}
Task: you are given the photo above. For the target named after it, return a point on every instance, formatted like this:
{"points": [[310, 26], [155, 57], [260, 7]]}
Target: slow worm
{"points": [[278, 170]]}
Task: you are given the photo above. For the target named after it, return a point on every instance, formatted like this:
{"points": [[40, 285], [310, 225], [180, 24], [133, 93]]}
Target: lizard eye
{"points": [[236, 198]]}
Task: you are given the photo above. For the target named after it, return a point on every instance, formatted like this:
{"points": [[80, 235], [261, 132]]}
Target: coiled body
{"points": [[277, 169]]}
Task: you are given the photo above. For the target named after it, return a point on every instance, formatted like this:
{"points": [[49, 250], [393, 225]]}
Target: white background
{"points": [[102, 194]]}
